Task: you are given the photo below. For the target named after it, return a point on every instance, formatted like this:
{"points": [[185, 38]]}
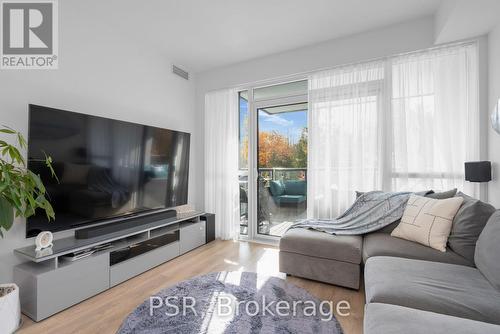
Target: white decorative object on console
{"points": [[43, 240]]}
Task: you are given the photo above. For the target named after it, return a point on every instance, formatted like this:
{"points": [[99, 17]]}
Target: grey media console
{"points": [[49, 284]]}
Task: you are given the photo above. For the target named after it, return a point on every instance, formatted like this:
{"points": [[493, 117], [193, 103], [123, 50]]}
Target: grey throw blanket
{"points": [[370, 212]]}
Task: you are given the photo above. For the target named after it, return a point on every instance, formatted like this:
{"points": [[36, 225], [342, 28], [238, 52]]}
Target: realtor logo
{"points": [[29, 34]]}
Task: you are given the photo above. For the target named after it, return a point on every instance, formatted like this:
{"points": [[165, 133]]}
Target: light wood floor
{"points": [[105, 312]]}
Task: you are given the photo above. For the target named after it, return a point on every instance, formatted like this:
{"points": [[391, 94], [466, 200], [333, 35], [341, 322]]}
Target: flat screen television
{"points": [[105, 168]]}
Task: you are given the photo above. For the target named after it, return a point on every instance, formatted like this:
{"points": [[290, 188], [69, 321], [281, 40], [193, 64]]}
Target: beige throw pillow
{"points": [[428, 221]]}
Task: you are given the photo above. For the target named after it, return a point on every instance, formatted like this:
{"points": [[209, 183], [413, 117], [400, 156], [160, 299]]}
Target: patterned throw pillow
{"points": [[428, 221]]}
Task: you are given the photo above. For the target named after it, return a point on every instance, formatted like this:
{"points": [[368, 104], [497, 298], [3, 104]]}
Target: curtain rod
{"points": [[303, 75]]}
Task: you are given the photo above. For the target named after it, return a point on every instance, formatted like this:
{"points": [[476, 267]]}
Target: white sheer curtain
{"points": [[435, 119], [345, 136], [221, 161], [407, 123]]}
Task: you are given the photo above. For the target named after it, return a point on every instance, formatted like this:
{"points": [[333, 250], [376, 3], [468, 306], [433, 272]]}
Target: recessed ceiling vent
{"points": [[180, 72]]}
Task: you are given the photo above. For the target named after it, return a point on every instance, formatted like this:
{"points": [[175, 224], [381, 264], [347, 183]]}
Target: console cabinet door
{"points": [[72, 284], [46, 292], [192, 236]]}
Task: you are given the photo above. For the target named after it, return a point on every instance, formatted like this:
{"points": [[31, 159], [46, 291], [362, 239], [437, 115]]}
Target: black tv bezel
{"points": [[113, 218]]}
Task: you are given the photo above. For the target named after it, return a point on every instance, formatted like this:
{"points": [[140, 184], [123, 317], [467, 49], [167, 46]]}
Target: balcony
{"points": [[282, 199]]}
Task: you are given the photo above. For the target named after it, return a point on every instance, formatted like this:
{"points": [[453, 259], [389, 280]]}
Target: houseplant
{"points": [[21, 193], [21, 190]]}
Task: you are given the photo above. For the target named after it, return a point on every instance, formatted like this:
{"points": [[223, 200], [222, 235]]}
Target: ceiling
{"points": [[204, 34]]}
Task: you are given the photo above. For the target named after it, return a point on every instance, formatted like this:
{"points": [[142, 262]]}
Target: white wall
{"points": [[494, 95], [101, 72], [462, 19]]}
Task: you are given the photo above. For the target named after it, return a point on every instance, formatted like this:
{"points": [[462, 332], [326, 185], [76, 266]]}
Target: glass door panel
{"points": [[281, 167], [243, 161]]}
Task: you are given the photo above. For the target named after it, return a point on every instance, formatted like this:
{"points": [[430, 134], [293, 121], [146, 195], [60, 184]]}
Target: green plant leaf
{"points": [[21, 191], [6, 150], [48, 163], [37, 181], [21, 140], [6, 214], [16, 155]]}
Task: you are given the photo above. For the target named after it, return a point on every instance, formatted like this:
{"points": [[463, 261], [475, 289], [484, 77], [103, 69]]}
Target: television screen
{"points": [[105, 168]]}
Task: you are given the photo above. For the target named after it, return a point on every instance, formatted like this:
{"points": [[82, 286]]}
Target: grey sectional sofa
{"points": [[435, 297], [411, 288]]}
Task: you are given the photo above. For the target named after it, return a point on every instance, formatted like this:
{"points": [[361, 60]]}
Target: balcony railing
{"points": [[283, 173], [268, 174], [271, 216]]}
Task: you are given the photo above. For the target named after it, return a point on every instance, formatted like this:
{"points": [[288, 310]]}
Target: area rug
{"points": [[232, 302]]}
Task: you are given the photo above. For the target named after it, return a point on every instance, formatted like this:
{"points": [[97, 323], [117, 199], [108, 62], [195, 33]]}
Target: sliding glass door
{"points": [[282, 167], [273, 159]]}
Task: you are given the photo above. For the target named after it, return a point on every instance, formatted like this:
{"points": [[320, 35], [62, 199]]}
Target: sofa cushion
{"points": [[346, 248], [295, 187], [319, 269], [468, 224], [488, 250], [430, 286], [290, 199], [428, 221], [389, 228], [442, 195], [383, 244], [393, 319], [277, 187], [430, 194]]}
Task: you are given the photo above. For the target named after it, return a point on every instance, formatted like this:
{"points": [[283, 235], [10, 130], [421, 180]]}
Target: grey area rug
{"points": [[232, 302]]}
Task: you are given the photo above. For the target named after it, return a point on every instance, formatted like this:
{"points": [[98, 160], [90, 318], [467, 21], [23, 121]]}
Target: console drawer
{"points": [[137, 265]]}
